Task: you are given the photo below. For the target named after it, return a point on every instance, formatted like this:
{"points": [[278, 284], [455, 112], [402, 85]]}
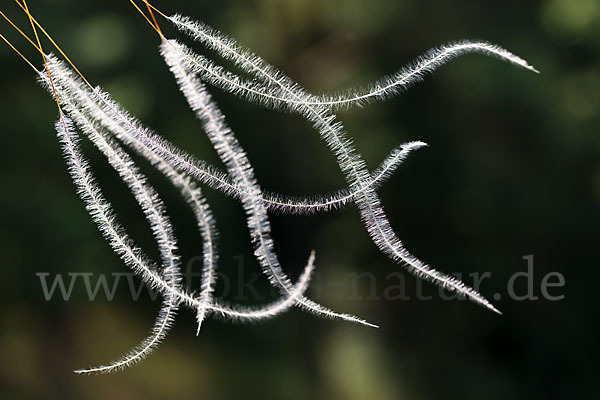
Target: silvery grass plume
{"points": [[167, 282], [274, 89], [72, 93], [111, 129], [130, 131]]}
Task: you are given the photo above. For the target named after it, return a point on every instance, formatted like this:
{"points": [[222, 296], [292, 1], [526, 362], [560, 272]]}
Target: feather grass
{"points": [[108, 126], [272, 88]]}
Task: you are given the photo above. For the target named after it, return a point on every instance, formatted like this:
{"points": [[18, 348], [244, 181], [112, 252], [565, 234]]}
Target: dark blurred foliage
{"points": [[513, 169]]}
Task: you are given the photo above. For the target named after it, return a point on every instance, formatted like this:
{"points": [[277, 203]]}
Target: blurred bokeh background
{"points": [[513, 169]]}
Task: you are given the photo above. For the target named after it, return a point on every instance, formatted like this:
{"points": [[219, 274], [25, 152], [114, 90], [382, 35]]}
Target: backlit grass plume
{"points": [[88, 111]]}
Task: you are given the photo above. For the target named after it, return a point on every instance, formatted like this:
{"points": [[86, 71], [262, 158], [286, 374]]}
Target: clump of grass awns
{"points": [[89, 111]]}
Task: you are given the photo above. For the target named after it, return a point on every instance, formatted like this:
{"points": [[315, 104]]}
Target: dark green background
{"points": [[513, 169]]}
